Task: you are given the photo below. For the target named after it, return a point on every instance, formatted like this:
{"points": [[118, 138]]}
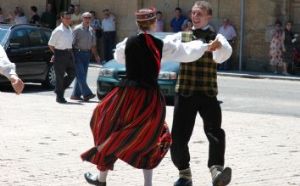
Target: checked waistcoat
{"points": [[199, 77]]}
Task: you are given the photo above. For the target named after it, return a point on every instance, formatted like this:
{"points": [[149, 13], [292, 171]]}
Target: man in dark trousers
{"points": [[196, 93], [60, 43]]}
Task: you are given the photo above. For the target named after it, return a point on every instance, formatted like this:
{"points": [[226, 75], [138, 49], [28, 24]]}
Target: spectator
{"points": [[76, 16], [96, 25], [188, 19], [60, 43], [84, 41], [289, 37], [35, 19], [276, 47], [109, 34], [159, 22], [188, 25], [7, 69], [20, 17], [48, 18], [2, 19], [228, 31], [71, 8], [178, 20]]}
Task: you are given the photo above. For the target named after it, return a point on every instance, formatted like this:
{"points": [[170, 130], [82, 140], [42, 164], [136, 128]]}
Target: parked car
{"points": [[27, 46], [111, 73]]}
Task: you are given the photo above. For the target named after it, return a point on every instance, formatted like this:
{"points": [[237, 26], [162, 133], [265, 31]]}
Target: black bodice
{"points": [[141, 67]]}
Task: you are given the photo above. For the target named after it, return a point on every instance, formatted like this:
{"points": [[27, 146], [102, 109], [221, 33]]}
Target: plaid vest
{"points": [[199, 77]]}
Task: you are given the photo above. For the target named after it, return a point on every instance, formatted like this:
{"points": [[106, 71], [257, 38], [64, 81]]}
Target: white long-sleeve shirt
{"points": [[7, 68], [175, 50]]}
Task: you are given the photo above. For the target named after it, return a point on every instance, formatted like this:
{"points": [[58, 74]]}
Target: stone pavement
{"points": [[40, 144]]}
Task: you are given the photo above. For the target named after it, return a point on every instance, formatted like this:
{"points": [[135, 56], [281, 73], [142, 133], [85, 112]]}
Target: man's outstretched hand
{"points": [[214, 45], [17, 84]]}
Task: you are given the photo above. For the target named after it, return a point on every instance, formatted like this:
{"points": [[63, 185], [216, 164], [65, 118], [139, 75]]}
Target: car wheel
{"points": [[50, 79]]}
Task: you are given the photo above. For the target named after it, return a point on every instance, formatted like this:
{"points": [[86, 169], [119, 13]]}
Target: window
{"points": [[35, 37], [20, 37]]}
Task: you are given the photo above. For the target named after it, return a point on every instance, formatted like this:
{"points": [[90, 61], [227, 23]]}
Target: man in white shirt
{"points": [[228, 31], [60, 43], [7, 69], [109, 34]]}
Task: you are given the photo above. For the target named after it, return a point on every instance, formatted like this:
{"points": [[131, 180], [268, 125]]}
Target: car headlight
{"points": [[106, 72], [167, 75]]}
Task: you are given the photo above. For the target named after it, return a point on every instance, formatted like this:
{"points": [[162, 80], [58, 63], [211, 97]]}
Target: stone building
{"points": [[259, 17]]}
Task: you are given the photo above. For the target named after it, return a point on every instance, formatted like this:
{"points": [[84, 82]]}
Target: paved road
{"points": [[41, 141]]}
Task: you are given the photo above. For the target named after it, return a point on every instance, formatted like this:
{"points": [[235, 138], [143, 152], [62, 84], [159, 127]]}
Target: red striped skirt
{"points": [[129, 124]]}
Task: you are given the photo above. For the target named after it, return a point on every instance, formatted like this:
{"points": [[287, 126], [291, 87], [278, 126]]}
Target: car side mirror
{"points": [[14, 45]]}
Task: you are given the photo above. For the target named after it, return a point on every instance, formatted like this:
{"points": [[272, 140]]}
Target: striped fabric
{"points": [[199, 77], [129, 124]]}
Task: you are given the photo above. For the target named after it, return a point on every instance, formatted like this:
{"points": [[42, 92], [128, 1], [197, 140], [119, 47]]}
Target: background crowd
{"points": [[281, 50]]}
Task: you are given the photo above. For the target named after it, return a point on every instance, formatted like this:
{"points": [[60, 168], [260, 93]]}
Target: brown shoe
{"points": [[76, 98], [87, 98]]}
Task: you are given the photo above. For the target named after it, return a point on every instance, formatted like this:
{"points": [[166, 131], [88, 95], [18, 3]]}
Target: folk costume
{"points": [[129, 123]]}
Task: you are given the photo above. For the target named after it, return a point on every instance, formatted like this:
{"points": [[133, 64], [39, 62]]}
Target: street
{"points": [[41, 141]]}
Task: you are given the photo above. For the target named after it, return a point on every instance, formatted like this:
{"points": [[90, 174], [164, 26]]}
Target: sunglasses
{"points": [[87, 17]]}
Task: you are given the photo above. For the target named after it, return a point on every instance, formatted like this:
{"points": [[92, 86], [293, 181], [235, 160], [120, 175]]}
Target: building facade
{"points": [[259, 17]]}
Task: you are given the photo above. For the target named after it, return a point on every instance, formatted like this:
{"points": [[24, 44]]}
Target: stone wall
{"points": [[259, 18]]}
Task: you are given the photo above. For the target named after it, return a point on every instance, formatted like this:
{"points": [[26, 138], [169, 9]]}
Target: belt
{"points": [[81, 50]]}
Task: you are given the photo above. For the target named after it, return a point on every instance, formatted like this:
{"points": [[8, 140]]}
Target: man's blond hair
{"points": [[204, 5]]}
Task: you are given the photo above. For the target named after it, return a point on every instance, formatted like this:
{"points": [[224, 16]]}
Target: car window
{"points": [[3, 33], [20, 37], [46, 36], [35, 37]]}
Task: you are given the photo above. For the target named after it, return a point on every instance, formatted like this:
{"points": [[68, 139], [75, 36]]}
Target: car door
{"points": [[19, 51], [38, 65]]}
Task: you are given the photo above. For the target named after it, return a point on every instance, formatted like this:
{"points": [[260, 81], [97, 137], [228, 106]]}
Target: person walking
{"points": [[129, 123], [109, 34], [60, 43], [196, 92], [8, 69], [84, 42]]}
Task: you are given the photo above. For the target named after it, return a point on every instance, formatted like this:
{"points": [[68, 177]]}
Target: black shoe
{"points": [[78, 98], [87, 98], [183, 182], [223, 178], [61, 100], [93, 179]]}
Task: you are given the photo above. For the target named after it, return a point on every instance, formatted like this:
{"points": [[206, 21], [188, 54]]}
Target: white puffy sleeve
{"points": [[119, 54], [175, 50], [224, 52], [7, 68]]}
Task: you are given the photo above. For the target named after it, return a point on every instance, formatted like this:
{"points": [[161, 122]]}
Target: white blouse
{"points": [[7, 68], [177, 51]]}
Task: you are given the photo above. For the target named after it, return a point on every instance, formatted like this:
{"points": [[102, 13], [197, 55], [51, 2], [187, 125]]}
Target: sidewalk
{"points": [[41, 141]]}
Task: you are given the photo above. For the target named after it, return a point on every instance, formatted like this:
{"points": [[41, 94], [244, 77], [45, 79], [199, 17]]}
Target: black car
{"points": [[27, 46]]}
